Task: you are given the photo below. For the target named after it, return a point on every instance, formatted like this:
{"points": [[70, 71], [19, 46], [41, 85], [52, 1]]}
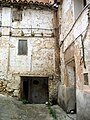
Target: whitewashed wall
{"points": [[40, 60], [40, 56]]}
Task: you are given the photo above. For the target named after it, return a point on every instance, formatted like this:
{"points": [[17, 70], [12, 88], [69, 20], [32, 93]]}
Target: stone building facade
{"points": [[28, 50], [74, 88]]}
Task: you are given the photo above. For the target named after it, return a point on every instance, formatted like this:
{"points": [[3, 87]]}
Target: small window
{"points": [[17, 15], [84, 3], [85, 78], [22, 47]]}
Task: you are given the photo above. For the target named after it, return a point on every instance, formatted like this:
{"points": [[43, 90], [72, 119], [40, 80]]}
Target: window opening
{"points": [[84, 3], [22, 47], [85, 78], [17, 15]]}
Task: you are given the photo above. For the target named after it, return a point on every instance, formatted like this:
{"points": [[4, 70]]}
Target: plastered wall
{"points": [[73, 33]]}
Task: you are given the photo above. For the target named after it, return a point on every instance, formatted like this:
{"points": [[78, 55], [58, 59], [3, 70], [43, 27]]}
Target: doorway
{"points": [[35, 89], [71, 88]]}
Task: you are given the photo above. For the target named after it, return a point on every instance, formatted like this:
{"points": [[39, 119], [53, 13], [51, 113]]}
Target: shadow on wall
{"points": [[66, 98], [83, 105], [54, 95]]}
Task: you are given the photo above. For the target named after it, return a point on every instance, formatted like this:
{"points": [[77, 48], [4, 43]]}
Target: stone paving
{"points": [[11, 109]]}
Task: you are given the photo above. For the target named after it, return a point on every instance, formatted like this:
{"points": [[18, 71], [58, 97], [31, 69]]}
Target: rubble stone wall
{"points": [[37, 27]]}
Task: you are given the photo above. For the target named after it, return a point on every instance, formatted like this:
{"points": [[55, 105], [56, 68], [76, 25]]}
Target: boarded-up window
{"points": [[17, 15], [22, 47]]}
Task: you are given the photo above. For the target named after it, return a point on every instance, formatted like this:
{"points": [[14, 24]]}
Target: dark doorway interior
{"points": [[35, 89], [25, 89]]}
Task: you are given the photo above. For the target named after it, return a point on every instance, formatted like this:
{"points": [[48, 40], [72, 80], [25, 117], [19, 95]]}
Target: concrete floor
{"points": [[11, 109]]}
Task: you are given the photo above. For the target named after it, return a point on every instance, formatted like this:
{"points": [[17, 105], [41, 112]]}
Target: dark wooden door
{"points": [[38, 90]]}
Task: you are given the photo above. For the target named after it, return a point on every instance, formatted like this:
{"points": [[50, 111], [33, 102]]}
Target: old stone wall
{"points": [[74, 57], [66, 23], [35, 26], [67, 19], [82, 58]]}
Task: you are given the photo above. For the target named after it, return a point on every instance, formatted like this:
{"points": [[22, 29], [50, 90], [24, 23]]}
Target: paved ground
{"points": [[61, 115], [11, 109]]}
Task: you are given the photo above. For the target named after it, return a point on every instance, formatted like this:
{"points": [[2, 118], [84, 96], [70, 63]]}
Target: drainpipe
{"points": [[83, 51]]}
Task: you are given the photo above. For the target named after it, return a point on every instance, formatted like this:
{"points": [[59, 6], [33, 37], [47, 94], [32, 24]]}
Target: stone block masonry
{"points": [[35, 29]]}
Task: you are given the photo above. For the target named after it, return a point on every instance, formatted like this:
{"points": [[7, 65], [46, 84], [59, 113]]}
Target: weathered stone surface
{"points": [[11, 109], [16, 93], [41, 50], [1, 85], [54, 95], [62, 96], [1, 89], [83, 105], [5, 83], [75, 58], [1, 82], [9, 89]]}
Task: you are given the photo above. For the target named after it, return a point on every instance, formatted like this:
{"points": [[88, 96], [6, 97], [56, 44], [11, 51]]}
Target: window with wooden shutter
{"points": [[17, 15], [22, 47]]}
